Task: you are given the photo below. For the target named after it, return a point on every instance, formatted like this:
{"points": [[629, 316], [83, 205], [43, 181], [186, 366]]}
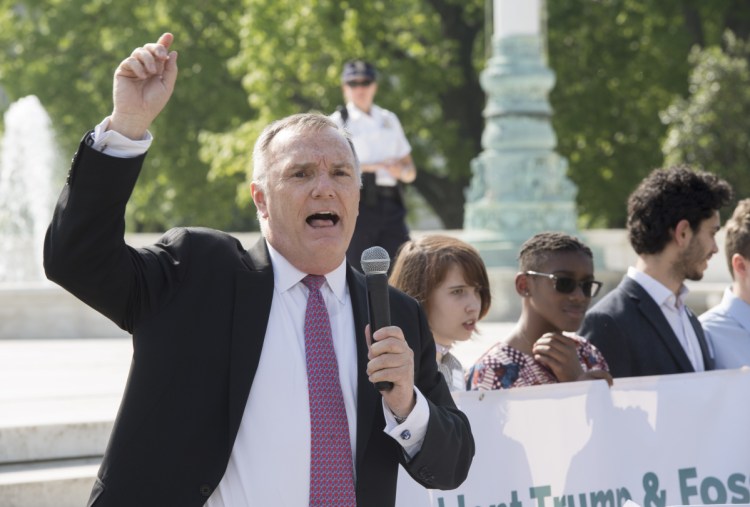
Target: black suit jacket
{"points": [[630, 330], [197, 304]]}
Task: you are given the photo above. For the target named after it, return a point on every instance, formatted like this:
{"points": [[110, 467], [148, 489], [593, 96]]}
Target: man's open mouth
{"points": [[323, 219]]}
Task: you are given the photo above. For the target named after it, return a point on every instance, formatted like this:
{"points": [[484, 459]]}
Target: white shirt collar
{"points": [[286, 276], [658, 291], [356, 113]]}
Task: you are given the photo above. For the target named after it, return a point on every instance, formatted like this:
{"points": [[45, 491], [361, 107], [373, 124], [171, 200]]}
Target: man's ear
{"points": [[522, 284], [683, 232], [259, 198], [739, 266]]}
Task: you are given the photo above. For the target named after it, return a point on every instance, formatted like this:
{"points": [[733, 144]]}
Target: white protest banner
{"points": [[660, 441]]}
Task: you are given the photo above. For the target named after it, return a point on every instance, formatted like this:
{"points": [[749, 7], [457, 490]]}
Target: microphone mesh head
{"points": [[375, 260]]}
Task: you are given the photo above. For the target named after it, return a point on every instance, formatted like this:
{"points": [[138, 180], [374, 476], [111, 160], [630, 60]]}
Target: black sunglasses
{"points": [[567, 285], [355, 84]]}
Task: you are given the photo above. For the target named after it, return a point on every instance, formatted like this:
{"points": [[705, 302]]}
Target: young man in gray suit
{"points": [[643, 326]]}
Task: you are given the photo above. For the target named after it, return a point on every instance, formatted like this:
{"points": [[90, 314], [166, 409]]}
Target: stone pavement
{"points": [[58, 399]]}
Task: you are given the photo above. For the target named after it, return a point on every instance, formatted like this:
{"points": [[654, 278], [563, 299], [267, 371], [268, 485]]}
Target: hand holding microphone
{"points": [[375, 264], [390, 355]]}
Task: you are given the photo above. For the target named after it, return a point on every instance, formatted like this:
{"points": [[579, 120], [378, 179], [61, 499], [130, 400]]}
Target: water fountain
{"points": [[26, 189], [31, 175]]}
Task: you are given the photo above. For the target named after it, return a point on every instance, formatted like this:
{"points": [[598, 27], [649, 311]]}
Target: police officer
{"points": [[385, 156]]}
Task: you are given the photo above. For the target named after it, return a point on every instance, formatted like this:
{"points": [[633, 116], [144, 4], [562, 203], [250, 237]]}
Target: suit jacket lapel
{"points": [[708, 361], [652, 312], [252, 306], [368, 399]]}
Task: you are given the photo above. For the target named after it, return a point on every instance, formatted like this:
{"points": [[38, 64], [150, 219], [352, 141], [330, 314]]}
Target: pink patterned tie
{"points": [[331, 469]]}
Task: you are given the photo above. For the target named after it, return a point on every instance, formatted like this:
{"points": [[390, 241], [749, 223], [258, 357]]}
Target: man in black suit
{"points": [[216, 409], [643, 326]]}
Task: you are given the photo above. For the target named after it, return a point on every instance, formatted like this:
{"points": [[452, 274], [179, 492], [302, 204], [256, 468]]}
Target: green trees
{"points": [[243, 64], [711, 128], [429, 53], [619, 63], [65, 52]]}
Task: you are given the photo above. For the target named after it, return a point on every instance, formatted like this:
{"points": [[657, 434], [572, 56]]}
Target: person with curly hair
{"points": [[556, 283], [643, 327]]}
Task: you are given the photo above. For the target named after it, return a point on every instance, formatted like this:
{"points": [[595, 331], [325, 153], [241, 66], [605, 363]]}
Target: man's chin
{"points": [[695, 277]]}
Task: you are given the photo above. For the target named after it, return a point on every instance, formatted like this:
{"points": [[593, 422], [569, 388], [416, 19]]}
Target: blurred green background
{"points": [[640, 84]]}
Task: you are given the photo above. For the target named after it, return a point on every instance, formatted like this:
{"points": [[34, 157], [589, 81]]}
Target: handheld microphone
{"points": [[375, 264]]}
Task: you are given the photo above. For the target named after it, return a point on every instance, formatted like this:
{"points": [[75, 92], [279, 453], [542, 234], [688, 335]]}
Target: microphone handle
{"points": [[379, 310]]}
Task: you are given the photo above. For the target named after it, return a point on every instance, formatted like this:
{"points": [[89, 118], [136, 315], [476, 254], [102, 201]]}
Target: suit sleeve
{"points": [[602, 331], [85, 250], [448, 448]]}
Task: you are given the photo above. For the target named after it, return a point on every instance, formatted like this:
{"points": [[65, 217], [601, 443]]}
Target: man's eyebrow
{"points": [[296, 166]]}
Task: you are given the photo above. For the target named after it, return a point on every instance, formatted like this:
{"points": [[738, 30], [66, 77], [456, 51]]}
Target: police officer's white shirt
{"points": [[377, 137]]}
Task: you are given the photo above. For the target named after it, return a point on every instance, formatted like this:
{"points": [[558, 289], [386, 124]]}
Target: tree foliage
{"points": [[65, 52], [618, 64], [244, 63], [429, 54], [710, 129]]}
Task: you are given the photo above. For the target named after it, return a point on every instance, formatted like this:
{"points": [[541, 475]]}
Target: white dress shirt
{"points": [[727, 327], [270, 460], [377, 137], [115, 144], [674, 310], [274, 437]]}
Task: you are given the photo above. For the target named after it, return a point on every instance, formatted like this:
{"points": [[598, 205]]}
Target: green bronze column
{"points": [[519, 185]]}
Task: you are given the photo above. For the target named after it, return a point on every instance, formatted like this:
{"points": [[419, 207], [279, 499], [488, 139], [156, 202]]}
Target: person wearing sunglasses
{"points": [[643, 326], [556, 284], [385, 157]]}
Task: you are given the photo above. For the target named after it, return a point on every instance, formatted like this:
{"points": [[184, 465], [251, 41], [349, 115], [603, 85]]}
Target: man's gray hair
{"points": [[303, 122]]}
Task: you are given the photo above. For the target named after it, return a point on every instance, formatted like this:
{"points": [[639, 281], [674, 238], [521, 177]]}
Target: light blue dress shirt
{"points": [[727, 325]]}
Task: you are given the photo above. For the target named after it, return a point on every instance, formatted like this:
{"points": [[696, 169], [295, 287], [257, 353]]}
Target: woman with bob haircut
{"points": [[449, 279]]}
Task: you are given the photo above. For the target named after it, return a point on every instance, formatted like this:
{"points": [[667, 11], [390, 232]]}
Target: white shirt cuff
{"points": [[117, 145], [410, 433]]}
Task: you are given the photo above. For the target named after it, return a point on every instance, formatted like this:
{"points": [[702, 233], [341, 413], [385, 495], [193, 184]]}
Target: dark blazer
{"points": [[629, 328], [197, 304]]}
